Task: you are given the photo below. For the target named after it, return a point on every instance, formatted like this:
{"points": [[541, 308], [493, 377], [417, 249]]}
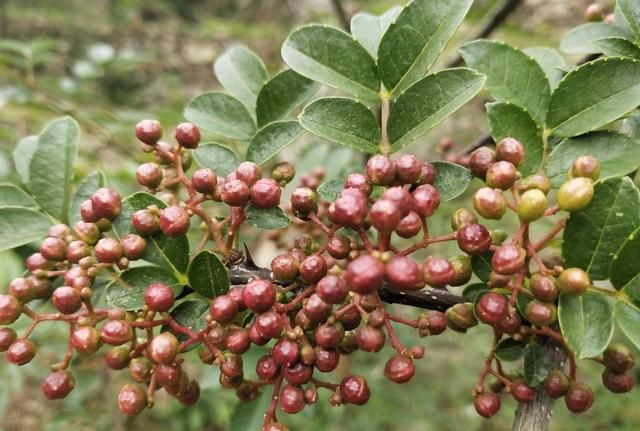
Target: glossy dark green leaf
{"points": [[586, 322], [579, 40], [550, 61], [282, 94], [632, 290], [13, 196], [415, 40], [587, 98], [630, 10], [130, 295], [241, 73], [19, 226], [618, 155], [207, 275], [537, 364], [221, 159], [330, 190], [332, 57], [512, 76], [269, 219], [22, 157], [481, 265], [473, 291], [272, 139], [368, 29], [451, 180], [343, 121], [51, 167], [625, 265], [627, 318], [221, 114], [509, 120], [84, 191], [592, 236], [168, 252], [190, 313], [617, 46], [510, 350], [429, 101], [250, 416]]}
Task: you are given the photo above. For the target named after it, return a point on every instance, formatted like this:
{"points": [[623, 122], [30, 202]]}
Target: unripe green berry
{"points": [[532, 205], [585, 166], [575, 194], [573, 281]]}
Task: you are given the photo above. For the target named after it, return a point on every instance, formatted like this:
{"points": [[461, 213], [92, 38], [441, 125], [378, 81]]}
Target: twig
{"points": [[341, 13]]}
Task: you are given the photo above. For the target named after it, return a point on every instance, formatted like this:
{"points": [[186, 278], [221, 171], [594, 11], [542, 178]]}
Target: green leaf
{"points": [[86, 188], [508, 120], [537, 363], [617, 47], [618, 155], [550, 61], [368, 29], [586, 322], [588, 98], [481, 265], [13, 196], [207, 275], [512, 76], [282, 94], [343, 121], [593, 235], [272, 139], [19, 226], [630, 10], [429, 101], [190, 313], [415, 40], [332, 57], [22, 157], [625, 265], [130, 295], [580, 39], [628, 320], [221, 159], [473, 291], [222, 114], [51, 167], [270, 219], [250, 416], [330, 190], [241, 73], [510, 350], [164, 251], [451, 180]]}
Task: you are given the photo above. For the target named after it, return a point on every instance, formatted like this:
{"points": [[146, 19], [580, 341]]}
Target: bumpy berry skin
{"points": [[292, 399], [174, 221], [149, 175], [187, 135], [508, 259], [106, 203], [350, 209], [286, 352], [510, 150], [427, 173], [522, 392], [22, 289], [285, 267], [480, 161], [132, 399], [354, 390], [586, 166], [339, 246], [86, 340], [408, 169], [461, 218], [532, 205], [403, 274], [501, 175], [37, 261], [116, 332], [473, 239], [67, 299], [401, 197], [191, 394], [409, 226], [594, 13], [53, 248], [437, 272], [540, 313], [573, 281], [248, 172], [164, 348], [460, 317], [370, 339], [118, 358], [358, 181], [149, 131], [298, 373], [21, 352], [617, 383], [108, 250], [145, 222], [489, 203], [7, 337], [313, 268], [259, 295], [384, 215], [159, 297], [283, 173], [332, 289], [76, 250], [492, 308], [265, 193], [399, 369], [204, 180], [364, 275], [133, 246], [235, 193], [539, 182], [267, 368], [304, 201], [556, 384], [618, 358], [575, 194], [426, 200], [487, 404], [544, 287], [380, 170], [58, 385], [579, 398]]}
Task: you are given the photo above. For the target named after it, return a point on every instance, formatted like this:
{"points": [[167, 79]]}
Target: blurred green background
{"points": [[110, 63]]}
